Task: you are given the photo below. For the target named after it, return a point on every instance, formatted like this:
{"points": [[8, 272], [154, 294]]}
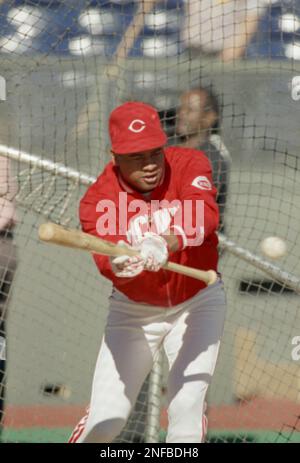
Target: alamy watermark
{"points": [[296, 350], [185, 218]]}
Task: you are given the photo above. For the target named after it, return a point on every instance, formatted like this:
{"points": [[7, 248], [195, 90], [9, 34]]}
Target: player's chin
{"points": [[146, 188]]}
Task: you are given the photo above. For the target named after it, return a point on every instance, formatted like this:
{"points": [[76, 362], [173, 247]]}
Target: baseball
{"points": [[273, 247], [64, 392]]}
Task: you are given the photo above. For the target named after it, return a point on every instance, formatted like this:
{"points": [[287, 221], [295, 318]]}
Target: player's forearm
{"points": [[7, 214], [173, 242]]}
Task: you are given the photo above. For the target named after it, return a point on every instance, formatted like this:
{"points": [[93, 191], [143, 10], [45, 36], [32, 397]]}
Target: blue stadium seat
{"points": [[165, 46], [21, 26], [125, 7], [266, 50], [162, 21], [98, 21], [170, 4], [272, 37], [6, 27], [124, 12], [268, 24], [63, 21], [86, 45]]}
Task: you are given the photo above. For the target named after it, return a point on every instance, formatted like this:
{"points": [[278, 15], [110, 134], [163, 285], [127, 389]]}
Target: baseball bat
{"points": [[56, 234]]}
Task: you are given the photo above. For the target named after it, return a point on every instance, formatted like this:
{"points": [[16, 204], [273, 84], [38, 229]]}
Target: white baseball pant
{"points": [[190, 333]]}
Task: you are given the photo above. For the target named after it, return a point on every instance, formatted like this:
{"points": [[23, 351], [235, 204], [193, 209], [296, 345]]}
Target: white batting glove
{"points": [[154, 250], [127, 266]]}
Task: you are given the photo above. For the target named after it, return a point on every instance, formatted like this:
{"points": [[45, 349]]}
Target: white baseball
{"points": [[273, 247], [65, 392]]}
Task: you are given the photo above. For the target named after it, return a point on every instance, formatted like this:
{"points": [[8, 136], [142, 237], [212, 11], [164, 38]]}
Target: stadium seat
{"points": [[6, 27], [266, 50], [277, 30], [269, 23], [124, 10], [171, 4], [162, 21], [160, 46], [87, 45], [20, 26], [99, 21]]}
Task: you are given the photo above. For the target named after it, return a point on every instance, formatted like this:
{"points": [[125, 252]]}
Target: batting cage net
{"points": [[225, 78]]}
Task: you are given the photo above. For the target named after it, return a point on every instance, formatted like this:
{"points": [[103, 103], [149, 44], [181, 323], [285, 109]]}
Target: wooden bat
{"points": [[56, 234]]}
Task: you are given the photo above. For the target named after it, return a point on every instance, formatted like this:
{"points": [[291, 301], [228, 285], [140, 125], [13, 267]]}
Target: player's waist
{"points": [[126, 304]]}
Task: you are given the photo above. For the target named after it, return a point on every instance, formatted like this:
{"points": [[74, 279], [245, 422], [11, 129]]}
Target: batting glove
{"points": [[154, 250], [127, 266]]}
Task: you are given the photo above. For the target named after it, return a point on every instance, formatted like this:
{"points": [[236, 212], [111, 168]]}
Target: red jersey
{"points": [[112, 210]]}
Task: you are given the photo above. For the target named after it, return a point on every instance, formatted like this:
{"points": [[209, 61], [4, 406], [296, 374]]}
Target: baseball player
{"points": [[162, 202]]}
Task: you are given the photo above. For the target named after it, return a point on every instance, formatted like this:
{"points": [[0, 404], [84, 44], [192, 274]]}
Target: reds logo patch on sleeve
{"points": [[202, 183]]}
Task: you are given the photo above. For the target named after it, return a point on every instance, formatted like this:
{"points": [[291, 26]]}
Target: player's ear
{"points": [[113, 157]]}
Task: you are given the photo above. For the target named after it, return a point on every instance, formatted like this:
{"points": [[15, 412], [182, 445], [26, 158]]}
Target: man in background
{"points": [[198, 126]]}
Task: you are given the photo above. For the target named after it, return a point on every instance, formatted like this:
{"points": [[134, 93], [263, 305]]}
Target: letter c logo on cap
{"points": [[137, 126]]}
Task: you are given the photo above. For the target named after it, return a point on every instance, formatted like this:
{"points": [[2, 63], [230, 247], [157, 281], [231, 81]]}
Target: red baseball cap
{"points": [[135, 127]]}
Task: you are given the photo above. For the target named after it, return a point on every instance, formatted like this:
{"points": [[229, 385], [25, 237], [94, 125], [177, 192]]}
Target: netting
{"points": [[67, 64]]}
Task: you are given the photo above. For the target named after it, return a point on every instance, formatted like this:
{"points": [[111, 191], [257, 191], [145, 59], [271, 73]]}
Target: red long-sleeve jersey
{"points": [[185, 202]]}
